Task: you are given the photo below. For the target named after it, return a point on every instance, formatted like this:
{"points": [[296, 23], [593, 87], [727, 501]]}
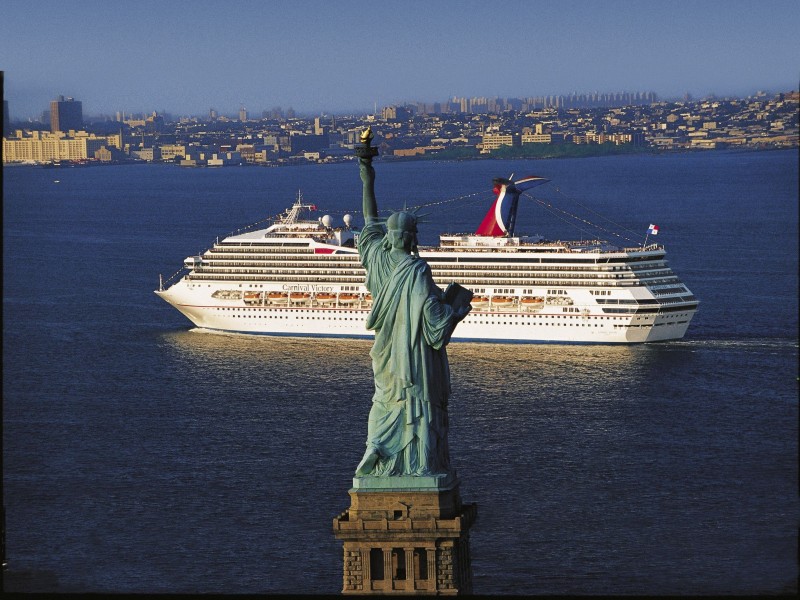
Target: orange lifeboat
{"points": [[502, 300], [479, 301], [325, 298], [347, 298], [299, 297], [277, 296]]}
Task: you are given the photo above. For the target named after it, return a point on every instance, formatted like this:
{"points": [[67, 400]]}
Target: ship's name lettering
{"points": [[307, 288]]}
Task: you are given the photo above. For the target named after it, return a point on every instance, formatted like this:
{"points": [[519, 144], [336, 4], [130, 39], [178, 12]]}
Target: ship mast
{"points": [[293, 213]]}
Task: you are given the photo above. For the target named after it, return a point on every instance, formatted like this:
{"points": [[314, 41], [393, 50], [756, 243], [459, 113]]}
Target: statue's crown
{"points": [[403, 221]]}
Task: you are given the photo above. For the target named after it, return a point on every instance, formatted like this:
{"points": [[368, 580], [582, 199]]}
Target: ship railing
{"points": [[162, 283], [648, 248]]}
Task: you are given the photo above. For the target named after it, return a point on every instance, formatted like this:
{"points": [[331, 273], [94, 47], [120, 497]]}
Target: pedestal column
{"points": [[409, 540]]}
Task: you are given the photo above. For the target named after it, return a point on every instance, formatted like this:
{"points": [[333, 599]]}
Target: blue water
{"points": [[142, 457]]}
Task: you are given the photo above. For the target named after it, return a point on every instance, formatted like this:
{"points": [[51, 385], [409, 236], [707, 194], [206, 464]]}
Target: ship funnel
{"points": [[500, 220]]}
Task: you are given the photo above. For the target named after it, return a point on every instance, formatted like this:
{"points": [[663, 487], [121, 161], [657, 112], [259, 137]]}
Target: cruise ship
{"points": [[302, 276]]}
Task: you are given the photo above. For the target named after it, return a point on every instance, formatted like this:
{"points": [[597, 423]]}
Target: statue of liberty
{"points": [[413, 320]]}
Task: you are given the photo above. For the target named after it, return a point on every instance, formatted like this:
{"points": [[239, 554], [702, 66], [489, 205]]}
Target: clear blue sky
{"points": [[185, 57]]}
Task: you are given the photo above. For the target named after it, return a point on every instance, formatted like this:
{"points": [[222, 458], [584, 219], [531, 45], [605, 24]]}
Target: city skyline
{"points": [[319, 58]]}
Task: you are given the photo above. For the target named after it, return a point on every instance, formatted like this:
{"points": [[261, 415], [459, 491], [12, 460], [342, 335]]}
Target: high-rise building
{"points": [[66, 114]]}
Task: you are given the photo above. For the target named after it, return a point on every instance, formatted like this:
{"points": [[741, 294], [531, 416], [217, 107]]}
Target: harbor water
{"points": [[143, 456]]}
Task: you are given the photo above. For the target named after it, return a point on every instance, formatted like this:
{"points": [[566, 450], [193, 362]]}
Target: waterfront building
{"points": [[170, 151], [66, 114], [492, 141], [43, 147], [204, 158], [111, 154], [537, 138], [146, 154], [417, 150]]}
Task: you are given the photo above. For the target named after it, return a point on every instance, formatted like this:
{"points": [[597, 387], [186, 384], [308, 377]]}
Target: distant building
{"points": [[308, 143], [66, 114], [493, 141], [45, 147], [274, 113], [170, 151], [110, 154], [395, 113], [154, 123], [146, 154], [320, 128], [243, 114], [203, 158], [537, 138]]}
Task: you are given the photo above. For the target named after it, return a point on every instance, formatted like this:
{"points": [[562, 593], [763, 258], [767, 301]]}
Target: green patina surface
{"points": [[413, 320]]}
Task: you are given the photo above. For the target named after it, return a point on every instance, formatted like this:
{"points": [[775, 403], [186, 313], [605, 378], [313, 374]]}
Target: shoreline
{"points": [[391, 159]]}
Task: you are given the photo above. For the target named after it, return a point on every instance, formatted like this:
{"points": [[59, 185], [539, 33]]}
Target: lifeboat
{"points": [[532, 302], [252, 295], [347, 298], [502, 300], [325, 298], [299, 297], [227, 294], [367, 299], [277, 296], [479, 301]]}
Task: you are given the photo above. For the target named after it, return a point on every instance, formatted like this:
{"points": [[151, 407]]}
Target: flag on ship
{"points": [[653, 230]]}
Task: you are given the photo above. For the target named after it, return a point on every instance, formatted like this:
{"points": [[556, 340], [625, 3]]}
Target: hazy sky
{"points": [[185, 57]]}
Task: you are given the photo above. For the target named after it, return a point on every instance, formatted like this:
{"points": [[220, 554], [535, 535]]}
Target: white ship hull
{"points": [[304, 278], [547, 325]]}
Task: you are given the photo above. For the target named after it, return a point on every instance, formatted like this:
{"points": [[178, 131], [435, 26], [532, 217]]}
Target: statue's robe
{"points": [[408, 419]]}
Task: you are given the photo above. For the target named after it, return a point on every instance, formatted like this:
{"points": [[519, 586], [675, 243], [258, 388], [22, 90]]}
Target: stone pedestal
{"points": [[406, 535]]}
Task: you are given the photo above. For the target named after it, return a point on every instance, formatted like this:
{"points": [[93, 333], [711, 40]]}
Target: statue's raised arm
{"points": [[365, 154], [413, 321]]}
